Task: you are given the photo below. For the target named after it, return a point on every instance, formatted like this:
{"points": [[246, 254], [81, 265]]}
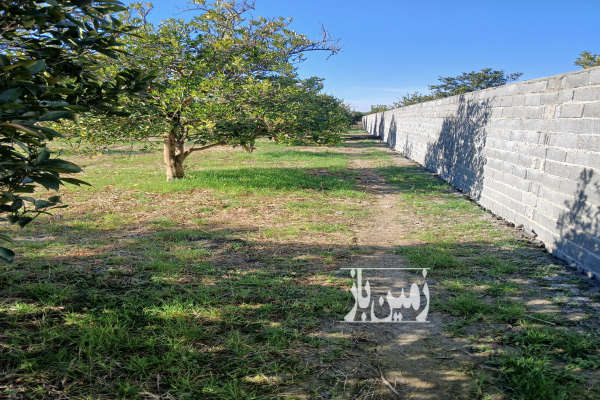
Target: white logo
{"points": [[365, 306]]}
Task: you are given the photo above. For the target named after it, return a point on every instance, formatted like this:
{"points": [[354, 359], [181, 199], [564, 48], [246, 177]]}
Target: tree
{"points": [[471, 81], [380, 107], [588, 60], [50, 54], [356, 116], [456, 85], [224, 78], [413, 98]]}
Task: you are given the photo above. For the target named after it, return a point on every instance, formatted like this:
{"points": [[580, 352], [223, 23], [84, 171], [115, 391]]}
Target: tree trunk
{"points": [[173, 154]]}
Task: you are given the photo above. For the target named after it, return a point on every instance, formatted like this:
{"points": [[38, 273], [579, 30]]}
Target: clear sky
{"points": [[392, 47]]}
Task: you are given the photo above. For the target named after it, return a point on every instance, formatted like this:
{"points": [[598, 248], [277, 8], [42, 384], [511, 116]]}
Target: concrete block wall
{"points": [[528, 151]]}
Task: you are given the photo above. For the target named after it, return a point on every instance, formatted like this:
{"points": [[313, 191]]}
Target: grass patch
{"points": [[143, 287], [488, 275]]}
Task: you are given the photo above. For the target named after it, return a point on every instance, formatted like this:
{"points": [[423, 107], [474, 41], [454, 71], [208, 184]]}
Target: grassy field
{"points": [[218, 286]]}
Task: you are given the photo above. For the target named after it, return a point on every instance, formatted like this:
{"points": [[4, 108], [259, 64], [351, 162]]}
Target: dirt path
{"points": [[425, 360], [406, 360]]}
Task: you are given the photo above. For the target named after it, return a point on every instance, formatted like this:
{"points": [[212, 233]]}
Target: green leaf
{"points": [[43, 156], [37, 66], [47, 181], [7, 255], [10, 95], [40, 204], [59, 165], [74, 181], [24, 220]]}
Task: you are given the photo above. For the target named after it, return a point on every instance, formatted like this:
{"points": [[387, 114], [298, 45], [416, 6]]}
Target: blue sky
{"points": [[392, 47]]}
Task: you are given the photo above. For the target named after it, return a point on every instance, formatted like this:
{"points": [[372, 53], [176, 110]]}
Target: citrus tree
{"points": [[51, 54], [222, 78]]}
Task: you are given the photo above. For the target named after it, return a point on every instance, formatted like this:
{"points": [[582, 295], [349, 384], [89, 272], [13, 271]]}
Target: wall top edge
{"points": [[503, 87]]}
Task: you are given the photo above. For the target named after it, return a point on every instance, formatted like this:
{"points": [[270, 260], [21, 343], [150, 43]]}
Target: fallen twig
{"points": [[540, 320]]}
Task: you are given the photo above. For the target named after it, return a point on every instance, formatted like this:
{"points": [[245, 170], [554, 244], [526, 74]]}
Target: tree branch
{"points": [[193, 149]]}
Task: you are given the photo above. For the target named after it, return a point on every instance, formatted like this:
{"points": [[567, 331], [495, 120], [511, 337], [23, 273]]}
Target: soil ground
{"points": [[232, 284]]}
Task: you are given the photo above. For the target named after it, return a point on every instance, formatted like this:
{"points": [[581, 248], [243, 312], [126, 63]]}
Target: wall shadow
{"points": [[457, 154], [381, 126], [579, 227], [391, 140]]}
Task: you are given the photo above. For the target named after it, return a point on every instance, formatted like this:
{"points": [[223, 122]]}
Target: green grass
{"points": [[488, 275], [206, 331], [270, 168], [143, 286], [218, 286]]}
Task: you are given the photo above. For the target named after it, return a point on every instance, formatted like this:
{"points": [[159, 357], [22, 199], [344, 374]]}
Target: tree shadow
{"points": [[202, 309], [579, 227], [457, 155], [180, 313], [363, 141]]}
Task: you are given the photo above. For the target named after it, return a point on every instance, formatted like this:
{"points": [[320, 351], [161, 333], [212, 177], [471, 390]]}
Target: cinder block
{"points": [[578, 125], [533, 86], [533, 100], [565, 140], [549, 98], [505, 101], [570, 111], [568, 186], [583, 158], [587, 94], [565, 96], [518, 100], [540, 136], [530, 199], [564, 170], [592, 261], [556, 154], [557, 198], [592, 110], [573, 250], [577, 79], [553, 83], [549, 209], [595, 76]]}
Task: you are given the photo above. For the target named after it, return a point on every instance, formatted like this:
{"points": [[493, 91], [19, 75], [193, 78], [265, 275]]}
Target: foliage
{"points": [[471, 81], [588, 60], [356, 116], [49, 70], [223, 78], [379, 108], [413, 98], [456, 85]]}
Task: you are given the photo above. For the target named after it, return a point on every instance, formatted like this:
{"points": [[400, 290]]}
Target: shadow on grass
{"points": [[195, 313], [179, 312], [497, 294], [363, 141], [155, 311]]}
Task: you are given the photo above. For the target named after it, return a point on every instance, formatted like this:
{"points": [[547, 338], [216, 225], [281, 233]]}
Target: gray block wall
{"points": [[528, 151]]}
